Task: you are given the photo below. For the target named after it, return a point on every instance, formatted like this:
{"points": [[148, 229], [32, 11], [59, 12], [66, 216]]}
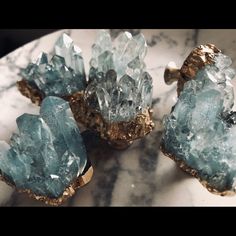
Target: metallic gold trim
{"points": [[199, 57], [172, 73], [34, 95]]}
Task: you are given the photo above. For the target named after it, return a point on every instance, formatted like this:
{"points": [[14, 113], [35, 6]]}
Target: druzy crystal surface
{"points": [[47, 154], [200, 130], [119, 87], [60, 76]]}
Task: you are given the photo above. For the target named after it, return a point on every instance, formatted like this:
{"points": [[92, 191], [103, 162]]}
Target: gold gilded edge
{"points": [[199, 57], [33, 94]]}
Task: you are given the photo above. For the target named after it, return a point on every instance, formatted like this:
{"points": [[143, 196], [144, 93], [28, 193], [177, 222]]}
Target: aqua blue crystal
{"points": [[48, 153], [201, 131], [61, 76], [119, 88]]}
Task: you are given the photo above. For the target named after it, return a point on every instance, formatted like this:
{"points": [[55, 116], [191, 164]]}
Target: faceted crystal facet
{"points": [[118, 74], [63, 75], [47, 154], [200, 130]]}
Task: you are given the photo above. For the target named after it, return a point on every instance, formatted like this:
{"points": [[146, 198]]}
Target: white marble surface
{"points": [[140, 175]]}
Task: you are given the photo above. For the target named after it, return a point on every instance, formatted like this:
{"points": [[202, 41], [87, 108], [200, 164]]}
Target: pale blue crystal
{"points": [[120, 71], [42, 59], [127, 84], [146, 88], [104, 41], [104, 99], [142, 45], [126, 109], [48, 153], [200, 130], [105, 62], [61, 76], [65, 48]]}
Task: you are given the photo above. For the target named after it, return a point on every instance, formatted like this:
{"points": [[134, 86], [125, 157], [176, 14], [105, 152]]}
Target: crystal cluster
{"points": [[47, 154], [119, 87], [61, 76], [200, 130]]}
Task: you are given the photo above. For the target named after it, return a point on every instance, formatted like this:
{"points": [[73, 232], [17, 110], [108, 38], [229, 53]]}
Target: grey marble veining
{"points": [[140, 175]]}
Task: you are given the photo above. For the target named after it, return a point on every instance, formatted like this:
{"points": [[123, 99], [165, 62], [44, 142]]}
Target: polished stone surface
{"points": [[140, 175]]}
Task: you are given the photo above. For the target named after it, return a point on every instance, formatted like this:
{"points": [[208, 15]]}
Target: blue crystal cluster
{"points": [[200, 130], [61, 76], [119, 87], [47, 153]]}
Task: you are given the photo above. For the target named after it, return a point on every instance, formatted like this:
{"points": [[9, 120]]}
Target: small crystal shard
{"points": [[61, 76], [201, 131], [118, 74], [47, 154]]}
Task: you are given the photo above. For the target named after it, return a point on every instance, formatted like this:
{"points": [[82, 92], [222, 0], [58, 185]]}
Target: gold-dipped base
{"points": [[195, 174], [200, 57], [118, 134], [35, 96], [79, 182]]}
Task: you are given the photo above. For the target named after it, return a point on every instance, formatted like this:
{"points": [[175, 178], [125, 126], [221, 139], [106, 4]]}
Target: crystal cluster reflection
{"points": [[47, 154], [200, 130], [61, 76], [119, 87]]}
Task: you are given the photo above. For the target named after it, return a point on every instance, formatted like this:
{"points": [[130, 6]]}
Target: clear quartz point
{"points": [[63, 75], [118, 70]]}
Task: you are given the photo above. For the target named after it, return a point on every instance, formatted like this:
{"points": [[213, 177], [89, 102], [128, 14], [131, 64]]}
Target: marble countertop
{"points": [[140, 175]]}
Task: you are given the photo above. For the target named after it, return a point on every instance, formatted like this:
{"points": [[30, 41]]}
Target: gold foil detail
{"points": [[34, 95], [200, 56]]}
